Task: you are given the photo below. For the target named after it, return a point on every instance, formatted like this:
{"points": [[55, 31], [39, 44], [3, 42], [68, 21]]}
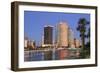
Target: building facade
{"points": [[48, 36], [77, 43], [62, 34], [25, 42], [71, 38]]}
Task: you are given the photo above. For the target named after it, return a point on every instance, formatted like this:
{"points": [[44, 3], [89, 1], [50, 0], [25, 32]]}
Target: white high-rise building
{"points": [[62, 34], [71, 38]]}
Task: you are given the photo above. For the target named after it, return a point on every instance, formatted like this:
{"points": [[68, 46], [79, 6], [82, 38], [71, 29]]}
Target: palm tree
{"points": [[88, 34], [82, 29], [88, 43]]}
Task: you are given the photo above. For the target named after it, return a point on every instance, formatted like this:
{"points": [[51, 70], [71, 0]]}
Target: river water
{"points": [[36, 55]]}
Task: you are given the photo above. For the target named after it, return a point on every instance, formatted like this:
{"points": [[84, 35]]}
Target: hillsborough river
{"points": [[54, 54]]}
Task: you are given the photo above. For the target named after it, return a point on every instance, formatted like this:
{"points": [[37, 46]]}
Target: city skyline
{"points": [[64, 38], [35, 21]]}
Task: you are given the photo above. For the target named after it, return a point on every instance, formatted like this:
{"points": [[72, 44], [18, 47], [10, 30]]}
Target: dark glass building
{"points": [[48, 35]]}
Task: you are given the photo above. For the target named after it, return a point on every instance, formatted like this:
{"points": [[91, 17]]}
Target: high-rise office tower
{"points": [[48, 35], [42, 41], [62, 35], [71, 38]]}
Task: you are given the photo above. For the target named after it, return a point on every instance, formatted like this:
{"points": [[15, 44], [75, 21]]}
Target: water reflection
{"points": [[52, 54]]}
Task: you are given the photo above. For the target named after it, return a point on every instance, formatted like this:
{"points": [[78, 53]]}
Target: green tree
{"points": [[88, 34], [82, 23], [82, 28], [88, 42]]}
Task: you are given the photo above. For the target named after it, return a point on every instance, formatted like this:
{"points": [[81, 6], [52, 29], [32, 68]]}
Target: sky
{"points": [[34, 22]]}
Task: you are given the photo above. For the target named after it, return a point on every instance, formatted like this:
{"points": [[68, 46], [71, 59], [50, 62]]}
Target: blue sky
{"points": [[34, 22]]}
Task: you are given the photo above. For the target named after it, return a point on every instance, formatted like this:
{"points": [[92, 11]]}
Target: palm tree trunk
{"points": [[83, 42], [83, 47]]}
